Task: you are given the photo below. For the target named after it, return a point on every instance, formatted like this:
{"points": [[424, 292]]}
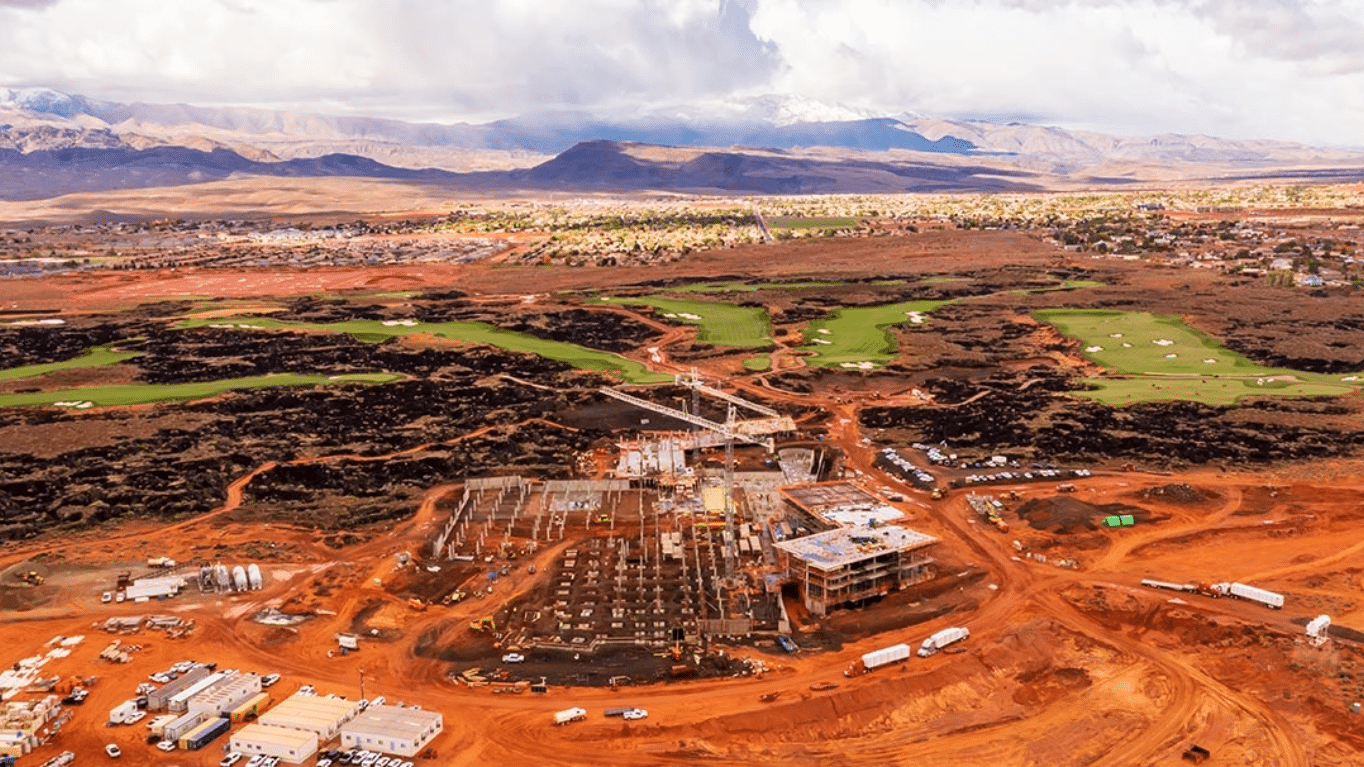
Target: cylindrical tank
{"points": [[206, 577], [254, 577], [221, 575], [239, 578]]}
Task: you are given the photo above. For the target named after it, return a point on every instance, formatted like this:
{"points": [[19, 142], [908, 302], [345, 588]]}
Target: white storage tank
{"points": [[239, 578], [222, 576], [253, 575]]}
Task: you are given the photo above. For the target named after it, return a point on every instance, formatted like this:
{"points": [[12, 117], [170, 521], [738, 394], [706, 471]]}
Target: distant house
{"points": [[1281, 265]]}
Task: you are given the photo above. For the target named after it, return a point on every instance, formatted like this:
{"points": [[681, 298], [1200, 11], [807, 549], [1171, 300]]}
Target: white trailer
{"points": [[878, 658], [1267, 598], [123, 711], [942, 639], [1168, 586], [570, 715]]}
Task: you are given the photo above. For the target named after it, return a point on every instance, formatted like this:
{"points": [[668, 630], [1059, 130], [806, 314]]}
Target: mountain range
{"points": [[54, 143]]}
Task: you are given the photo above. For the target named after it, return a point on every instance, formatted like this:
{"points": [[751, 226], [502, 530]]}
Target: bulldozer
{"points": [[483, 624]]}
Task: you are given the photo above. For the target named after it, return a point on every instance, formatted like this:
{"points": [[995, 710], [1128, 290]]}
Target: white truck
{"points": [[876, 659], [1267, 598], [574, 714], [942, 639]]}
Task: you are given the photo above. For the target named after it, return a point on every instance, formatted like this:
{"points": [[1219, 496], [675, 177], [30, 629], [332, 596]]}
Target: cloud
{"points": [[1272, 68], [507, 56], [1290, 69]]}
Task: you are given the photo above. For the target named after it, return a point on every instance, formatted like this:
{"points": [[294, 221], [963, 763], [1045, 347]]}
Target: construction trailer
{"points": [[249, 709], [205, 733], [392, 730], [179, 702], [159, 699], [850, 564], [230, 692], [183, 724], [322, 716], [289, 745]]}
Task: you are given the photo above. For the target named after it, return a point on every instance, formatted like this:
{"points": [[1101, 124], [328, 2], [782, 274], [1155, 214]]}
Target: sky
{"points": [[1276, 69]]}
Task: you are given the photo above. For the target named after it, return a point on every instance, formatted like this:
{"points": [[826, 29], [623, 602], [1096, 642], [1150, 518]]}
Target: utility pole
{"points": [[362, 683]]}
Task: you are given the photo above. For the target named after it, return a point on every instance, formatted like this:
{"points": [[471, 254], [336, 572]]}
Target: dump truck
{"points": [[942, 639], [876, 659], [574, 714]]}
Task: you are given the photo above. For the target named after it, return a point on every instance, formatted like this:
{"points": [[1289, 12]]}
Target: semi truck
{"points": [[942, 639], [1239, 590], [876, 659], [574, 714]]}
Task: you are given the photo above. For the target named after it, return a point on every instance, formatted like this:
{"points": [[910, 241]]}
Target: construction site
{"points": [[666, 554], [511, 560]]}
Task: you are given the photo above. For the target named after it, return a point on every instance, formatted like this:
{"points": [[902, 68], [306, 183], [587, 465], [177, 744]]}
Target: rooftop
{"points": [[285, 737], [310, 712], [394, 722], [836, 548]]}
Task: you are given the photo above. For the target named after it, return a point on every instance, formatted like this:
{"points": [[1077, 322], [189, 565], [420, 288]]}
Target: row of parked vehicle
{"points": [[362, 758]]}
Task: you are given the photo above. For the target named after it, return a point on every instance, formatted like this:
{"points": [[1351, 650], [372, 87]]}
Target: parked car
{"points": [[269, 679], [113, 751], [513, 657], [106, 597], [231, 759], [636, 713], [787, 644], [166, 745]]}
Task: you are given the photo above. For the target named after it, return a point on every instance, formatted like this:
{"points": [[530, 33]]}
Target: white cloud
{"points": [[1289, 69]]}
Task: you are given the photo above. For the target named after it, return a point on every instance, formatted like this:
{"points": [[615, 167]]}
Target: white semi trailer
{"points": [[574, 714], [942, 639], [877, 658], [1267, 598]]}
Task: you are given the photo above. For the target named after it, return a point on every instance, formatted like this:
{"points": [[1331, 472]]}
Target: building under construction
{"points": [[851, 564]]}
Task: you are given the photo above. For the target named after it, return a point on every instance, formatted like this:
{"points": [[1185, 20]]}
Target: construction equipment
{"points": [[938, 494], [1196, 754], [416, 604], [484, 624], [1065, 487], [30, 577]]}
